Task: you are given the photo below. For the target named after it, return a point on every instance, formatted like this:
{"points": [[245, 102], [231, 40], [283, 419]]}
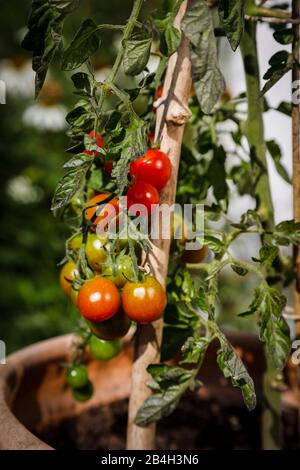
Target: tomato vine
{"points": [[109, 125]]}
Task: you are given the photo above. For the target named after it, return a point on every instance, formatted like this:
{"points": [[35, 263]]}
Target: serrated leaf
{"points": [[136, 55], [172, 38], [231, 14], [275, 153], [281, 63], [233, 368], [85, 43], [287, 232], [267, 254], [198, 26], [44, 36], [71, 182], [269, 303], [79, 117], [216, 174], [171, 383], [132, 145], [194, 349]]}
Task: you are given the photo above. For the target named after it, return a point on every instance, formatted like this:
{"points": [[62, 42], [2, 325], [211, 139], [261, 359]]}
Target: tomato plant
{"points": [[210, 169]]}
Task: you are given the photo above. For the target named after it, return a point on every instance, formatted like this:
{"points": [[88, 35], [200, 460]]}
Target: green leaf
{"points": [[287, 232], [72, 181], [82, 82], [281, 63], [194, 350], [285, 107], [172, 38], [133, 144], [44, 36], [267, 254], [79, 117], [240, 270], [136, 56], [85, 43], [231, 14], [216, 174], [269, 303], [208, 81], [170, 382], [275, 153], [284, 36], [233, 368]]}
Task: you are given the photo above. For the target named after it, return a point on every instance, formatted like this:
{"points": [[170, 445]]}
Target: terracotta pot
{"points": [[34, 393]]}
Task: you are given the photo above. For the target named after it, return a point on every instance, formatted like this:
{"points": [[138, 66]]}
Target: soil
{"points": [[195, 425]]}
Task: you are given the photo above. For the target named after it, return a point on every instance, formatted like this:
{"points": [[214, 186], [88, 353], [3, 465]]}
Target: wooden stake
{"points": [[172, 114]]}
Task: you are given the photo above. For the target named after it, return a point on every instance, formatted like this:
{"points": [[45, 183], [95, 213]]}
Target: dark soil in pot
{"points": [[196, 424]]}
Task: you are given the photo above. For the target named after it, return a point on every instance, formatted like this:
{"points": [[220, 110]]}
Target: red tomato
{"points": [[108, 166], [145, 301], [159, 92], [154, 168], [98, 299], [143, 193], [99, 142]]}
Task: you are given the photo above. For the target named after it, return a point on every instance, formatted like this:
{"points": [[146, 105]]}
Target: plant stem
{"points": [[271, 422], [127, 33], [176, 91]]}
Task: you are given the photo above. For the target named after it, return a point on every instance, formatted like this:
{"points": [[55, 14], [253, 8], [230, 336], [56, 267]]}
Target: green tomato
{"points": [[104, 350], [122, 272], [96, 252], [84, 393], [75, 243], [114, 328], [77, 376]]}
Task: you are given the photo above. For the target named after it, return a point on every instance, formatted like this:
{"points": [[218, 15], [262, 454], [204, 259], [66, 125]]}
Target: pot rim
{"points": [[14, 435]]}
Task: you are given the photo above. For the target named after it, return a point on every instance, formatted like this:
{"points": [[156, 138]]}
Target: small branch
{"points": [[169, 130], [264, 19]]}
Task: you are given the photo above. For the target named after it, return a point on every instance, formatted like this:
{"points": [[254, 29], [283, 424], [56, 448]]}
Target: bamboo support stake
{"points": [[172, 114]]}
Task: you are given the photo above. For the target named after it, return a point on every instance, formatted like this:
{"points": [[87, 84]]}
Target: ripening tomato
{"points": [[77, 376], [104, 350], [99, 142], [195, 256], [154, 168], [114, 328], [121, 272], [105, 212], [67, 275], [96, 252], [144, 301], [145, 194], [98, 299]]}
